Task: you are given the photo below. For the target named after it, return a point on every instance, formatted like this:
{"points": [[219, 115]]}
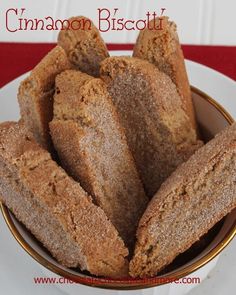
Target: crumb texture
{"points": [[93, 149], [85, 47], [158, 131], [55, 208], [162, 48], [35, 95], [205, 187]]}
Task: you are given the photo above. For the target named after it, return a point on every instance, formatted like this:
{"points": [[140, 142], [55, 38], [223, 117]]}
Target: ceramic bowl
{"points": [[211, 118]]}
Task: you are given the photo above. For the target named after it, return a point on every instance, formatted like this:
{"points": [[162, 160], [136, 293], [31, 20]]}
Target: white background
{"points": [[199, 21]]}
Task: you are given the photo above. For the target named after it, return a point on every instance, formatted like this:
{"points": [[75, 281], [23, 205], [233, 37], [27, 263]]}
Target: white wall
{"points": [[199, 21]]}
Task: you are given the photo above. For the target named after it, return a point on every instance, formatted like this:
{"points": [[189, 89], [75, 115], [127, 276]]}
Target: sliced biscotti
{"points": [[55, 208], [83, 44], [93, 149], [162, 48], [36, 92], [158, 131], [195, 197]]}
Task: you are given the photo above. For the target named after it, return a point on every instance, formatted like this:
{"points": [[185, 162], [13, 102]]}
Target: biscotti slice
{"points": [[36, 92], [158, 131], [93, 149], [193, 199], [55, 208], [83, 44], [162, 48]]}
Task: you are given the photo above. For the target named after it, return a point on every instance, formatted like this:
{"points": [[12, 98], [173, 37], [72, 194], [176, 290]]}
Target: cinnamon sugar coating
{"points": [[158, 131], [58, 212], [189, 203], [93, 149]]}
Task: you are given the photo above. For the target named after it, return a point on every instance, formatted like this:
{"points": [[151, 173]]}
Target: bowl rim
{"points": [[123, 284]]}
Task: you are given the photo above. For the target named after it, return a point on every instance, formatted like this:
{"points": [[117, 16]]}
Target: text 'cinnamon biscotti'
{"points": [[193, 199], [83, 44], [55, 208], [158, 131], [36, 92], [93, 149], [162, 48]]}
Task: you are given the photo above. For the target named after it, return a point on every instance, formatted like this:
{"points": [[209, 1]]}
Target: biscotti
{"points": [[55, 208], [84, 45], [195, 197], [162, 48], [92, 148], [36, 92], [158, 131]]}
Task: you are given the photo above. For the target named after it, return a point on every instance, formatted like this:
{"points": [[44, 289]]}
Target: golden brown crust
{"points": [[36, 92], [55, 208], [85, 47], [162, 48], [205, 187], [158, 131], [93, 149]]}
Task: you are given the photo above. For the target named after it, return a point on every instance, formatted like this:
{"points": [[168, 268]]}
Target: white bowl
{"points": [[211, 118]]}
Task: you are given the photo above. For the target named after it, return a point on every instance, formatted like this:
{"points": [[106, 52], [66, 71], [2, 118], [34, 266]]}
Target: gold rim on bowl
{"points": [[131, 284]]}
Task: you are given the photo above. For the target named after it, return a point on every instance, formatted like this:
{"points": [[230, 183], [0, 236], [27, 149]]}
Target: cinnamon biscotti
{"points": [[55, 208], [83, 44], [36, 92], [205, 186], [92, 148], [158, 131], [163, 49]]}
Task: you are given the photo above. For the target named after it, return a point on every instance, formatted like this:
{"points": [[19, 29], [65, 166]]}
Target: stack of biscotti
{"points": [[159, 132], [162, 48], [85, 47], [205, 186], [55, 208], [93, 149], [117, 136]]}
